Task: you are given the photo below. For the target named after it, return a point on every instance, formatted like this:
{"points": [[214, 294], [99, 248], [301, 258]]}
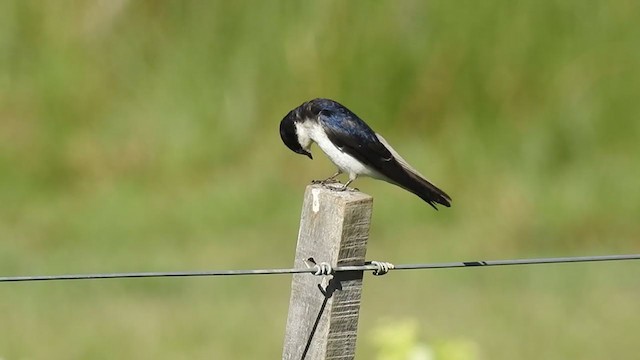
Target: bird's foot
{"points": [[335, 185], [346, 188], [330, 180], [325, 181]]}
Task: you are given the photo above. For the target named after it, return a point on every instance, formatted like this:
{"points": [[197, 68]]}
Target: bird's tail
{"points": [[429, 192], [417, 184], [410, 179]]}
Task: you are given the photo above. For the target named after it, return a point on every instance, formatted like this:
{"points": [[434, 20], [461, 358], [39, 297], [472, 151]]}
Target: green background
{"points": [[143, 136]]}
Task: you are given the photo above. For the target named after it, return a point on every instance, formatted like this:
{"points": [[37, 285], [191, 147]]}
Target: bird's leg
{"points": [[346, 186], [332, 178], [329, 180]]}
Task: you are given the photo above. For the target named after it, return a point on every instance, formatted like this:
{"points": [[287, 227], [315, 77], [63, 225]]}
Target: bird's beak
{"points": [[302, 151]]}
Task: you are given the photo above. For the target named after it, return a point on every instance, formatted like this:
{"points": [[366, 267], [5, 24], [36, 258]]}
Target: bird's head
{"points": [[289, 134]]}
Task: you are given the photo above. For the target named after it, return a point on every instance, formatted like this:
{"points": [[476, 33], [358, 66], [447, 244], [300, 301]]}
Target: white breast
{"points": [[313, 132]]}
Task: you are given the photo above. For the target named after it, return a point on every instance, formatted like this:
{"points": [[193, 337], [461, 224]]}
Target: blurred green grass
{"points": [[142, 135]]}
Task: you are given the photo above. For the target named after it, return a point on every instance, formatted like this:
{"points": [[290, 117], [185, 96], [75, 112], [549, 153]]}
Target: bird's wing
{"points": [[416, 182], [399, 158], [354, 137]]}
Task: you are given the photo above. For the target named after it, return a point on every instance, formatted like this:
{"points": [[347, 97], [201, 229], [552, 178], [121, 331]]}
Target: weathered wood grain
{"points": [[323, 311]]}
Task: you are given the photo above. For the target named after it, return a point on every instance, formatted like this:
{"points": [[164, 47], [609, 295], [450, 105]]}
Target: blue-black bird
{"points": [[353, 147]]}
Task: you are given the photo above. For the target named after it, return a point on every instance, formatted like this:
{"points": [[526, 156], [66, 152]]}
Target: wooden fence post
{"points": [[323, 311]]}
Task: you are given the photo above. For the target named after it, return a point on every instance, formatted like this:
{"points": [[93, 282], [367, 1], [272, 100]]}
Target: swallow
{"points": [[353, 147]]}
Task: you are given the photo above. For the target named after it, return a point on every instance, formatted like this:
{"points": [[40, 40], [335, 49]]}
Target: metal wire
{"points": [[368, 267]]}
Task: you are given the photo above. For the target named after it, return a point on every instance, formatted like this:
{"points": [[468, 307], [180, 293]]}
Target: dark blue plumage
{"points": [[353, 146]]}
